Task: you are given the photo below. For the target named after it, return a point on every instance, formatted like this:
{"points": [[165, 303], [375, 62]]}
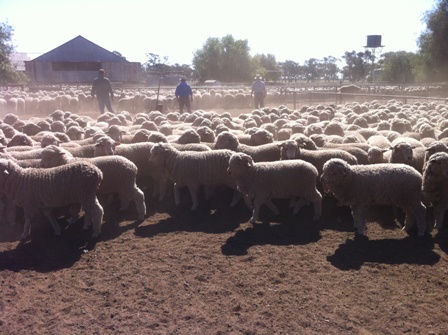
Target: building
{"points": [[78, 61], [18, 60]]}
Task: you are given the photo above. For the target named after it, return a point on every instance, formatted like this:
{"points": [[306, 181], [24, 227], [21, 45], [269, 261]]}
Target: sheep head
{"points": [[226, 140], [239, 163], [335, 175]]}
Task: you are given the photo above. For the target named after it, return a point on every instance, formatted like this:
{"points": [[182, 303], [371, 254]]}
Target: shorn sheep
{"points": [[193, 169], [360, 186], [260, 182], [43, 189], [119, 176]]}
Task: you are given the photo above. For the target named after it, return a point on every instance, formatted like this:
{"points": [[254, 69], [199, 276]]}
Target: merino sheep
{"points": [[406, 153], [435, 186], [35, 189], [261, 153], [359, 186], [119, 175], [291, 150], [193, 169], [260, 182]]}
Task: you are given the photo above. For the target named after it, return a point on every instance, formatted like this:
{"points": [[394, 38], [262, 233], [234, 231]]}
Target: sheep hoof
{"points": [[252, 220]]}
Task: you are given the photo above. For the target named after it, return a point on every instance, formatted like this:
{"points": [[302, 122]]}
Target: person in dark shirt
{"points": [[184, 95], [102, 89]]}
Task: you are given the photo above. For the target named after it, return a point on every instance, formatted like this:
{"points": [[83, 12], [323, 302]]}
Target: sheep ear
{"points": [[385, 150]]}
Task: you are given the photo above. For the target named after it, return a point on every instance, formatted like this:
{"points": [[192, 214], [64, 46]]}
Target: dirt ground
{"points": [[212, 272]]}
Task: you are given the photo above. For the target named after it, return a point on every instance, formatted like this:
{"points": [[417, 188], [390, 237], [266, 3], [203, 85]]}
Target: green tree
{"points": [[357, 65], [156, 64], [291, 70], [433, 42], [224, 59], [8, 74], [329, 68], [399, 67], [266, 66]]}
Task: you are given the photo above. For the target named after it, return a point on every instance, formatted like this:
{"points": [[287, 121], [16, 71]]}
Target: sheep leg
{"points": [[236, 198], [94, 214], [176, 194], [317, 206], [439, 213], [208, 191], [194, 196], [272, 207], [74, 213], [257, 204], [139, 199], [10, 211], [359, 219], [48, 212], [29, 213]]}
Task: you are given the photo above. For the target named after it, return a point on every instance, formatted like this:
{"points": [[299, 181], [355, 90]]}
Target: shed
{"points": [[78, 61]]}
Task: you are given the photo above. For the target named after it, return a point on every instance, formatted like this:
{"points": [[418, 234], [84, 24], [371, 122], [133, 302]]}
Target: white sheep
{"points": [[119, 175], [435, 186], [360, 186], [260, 153], [291, 150], [35, 189], [260, 182], [193, 169]]}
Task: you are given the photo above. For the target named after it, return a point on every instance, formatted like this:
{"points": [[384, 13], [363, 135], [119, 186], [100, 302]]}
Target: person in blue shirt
{"points": [[258, 91], [102, 89], [184, 95]]}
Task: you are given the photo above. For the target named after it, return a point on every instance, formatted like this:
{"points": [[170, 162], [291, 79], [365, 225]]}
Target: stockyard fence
{"points": [[291, 95]]}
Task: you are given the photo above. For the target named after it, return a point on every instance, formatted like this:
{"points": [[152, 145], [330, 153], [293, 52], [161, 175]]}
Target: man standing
{"points": [[184, 95], [102, 89], [258, 91]]}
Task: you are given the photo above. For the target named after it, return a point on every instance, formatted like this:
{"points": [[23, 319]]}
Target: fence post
{"points": [[294, 99]]}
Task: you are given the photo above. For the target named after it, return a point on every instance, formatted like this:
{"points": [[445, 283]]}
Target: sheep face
{"points": [[289, 149], [159, 153], [434, 148], [52, 156], [239, 163], [438, 164], [335, 173], [105, 146], [402, 153]]}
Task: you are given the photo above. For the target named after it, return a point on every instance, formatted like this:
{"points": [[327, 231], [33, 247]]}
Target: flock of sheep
{"points": [[359, 153]]}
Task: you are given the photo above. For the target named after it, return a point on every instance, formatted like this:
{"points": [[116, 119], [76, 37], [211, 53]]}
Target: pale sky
{"points": [[291, 30]]}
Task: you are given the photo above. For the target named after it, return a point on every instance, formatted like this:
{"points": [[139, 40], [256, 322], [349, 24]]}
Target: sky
{"points": [[290, 30]]}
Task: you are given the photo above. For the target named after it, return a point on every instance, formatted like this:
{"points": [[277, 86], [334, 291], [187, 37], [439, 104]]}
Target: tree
{"points": [[8, 74], [433, 42], [156, 64], [266, 66], [119, 54], [224, 59], [329, 69], [399, 67], [357, 65]]}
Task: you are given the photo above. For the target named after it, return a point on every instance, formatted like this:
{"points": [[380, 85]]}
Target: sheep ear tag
{"points": [[5, 172]]}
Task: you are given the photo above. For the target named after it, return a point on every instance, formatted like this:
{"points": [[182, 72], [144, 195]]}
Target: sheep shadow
{"points": [[204, 219], [294, 230], [352, 254], [45, 252]]}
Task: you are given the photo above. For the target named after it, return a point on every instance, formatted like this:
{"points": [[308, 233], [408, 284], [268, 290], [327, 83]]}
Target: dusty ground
{"points": [[211, 272]]}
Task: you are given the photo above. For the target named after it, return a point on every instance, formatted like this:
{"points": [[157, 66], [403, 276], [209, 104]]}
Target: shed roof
{"points": [[79, 49]]}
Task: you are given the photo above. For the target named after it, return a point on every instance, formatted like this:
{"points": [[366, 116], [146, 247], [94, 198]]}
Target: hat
{"points": [[257, 76], [183, 78], [101, 71]]}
